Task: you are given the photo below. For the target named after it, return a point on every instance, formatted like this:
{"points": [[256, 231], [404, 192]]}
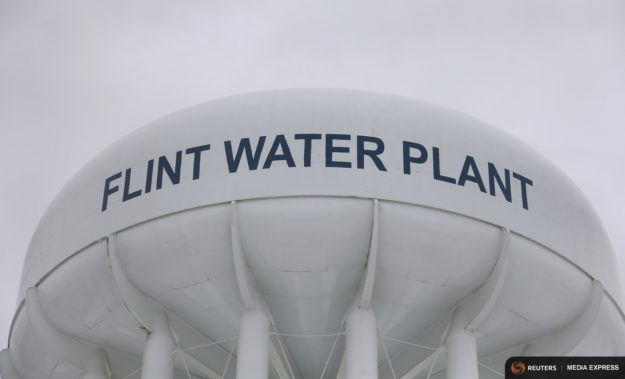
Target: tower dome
{"points": [[313, 233]]}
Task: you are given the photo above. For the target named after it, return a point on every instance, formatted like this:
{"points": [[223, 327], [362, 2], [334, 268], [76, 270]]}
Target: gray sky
{"points": [[77, 75]]}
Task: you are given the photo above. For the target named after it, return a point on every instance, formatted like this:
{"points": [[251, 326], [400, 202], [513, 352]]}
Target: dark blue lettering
{"points": [[437, 168], [307, 145], [148, 177], [524, 181], [165, 166], [108, 190], [127, 195], [279, 143], [469, 165], [197, 153], [331, 149], [408, 159], [493, 176], [253, 158], [373, 154]]}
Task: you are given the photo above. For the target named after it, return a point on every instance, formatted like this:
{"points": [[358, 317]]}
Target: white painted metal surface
{"points": [[461, 347], [361, 344], [253, 347], [338, 243], [158, 360]]}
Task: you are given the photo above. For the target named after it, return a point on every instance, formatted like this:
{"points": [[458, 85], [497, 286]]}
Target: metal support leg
{"points": [[361, 331], [253, 346], [158, 359], [97, 366], [361, 344], [461, 349]]}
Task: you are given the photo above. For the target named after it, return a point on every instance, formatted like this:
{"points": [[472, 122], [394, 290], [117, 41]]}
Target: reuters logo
{"points": [[517, 368]]}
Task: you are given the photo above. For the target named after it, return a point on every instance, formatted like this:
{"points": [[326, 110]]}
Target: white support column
{"points": [[253, 345], [366, 292], [158, 358], [361, 344], [461, 347], [7, 371], [361, 329], [97, 366]]}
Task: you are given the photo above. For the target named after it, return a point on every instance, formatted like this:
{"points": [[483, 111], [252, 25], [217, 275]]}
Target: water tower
{"points": [[313, 234]]}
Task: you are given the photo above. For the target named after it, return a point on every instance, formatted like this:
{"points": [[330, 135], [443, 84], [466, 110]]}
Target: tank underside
{"points": [[328, 280]]}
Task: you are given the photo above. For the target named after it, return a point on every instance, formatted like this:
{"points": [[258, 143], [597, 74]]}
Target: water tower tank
{"points": [[313, 234]]}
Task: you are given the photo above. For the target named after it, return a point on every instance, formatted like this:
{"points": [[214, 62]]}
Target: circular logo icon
{"points": [[517, 368]]}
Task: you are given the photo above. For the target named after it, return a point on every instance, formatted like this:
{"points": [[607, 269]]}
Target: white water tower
{"points": [[313, 234]]}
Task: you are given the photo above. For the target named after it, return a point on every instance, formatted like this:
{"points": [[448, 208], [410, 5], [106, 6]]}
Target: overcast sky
{"points": [[77, 75]]}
